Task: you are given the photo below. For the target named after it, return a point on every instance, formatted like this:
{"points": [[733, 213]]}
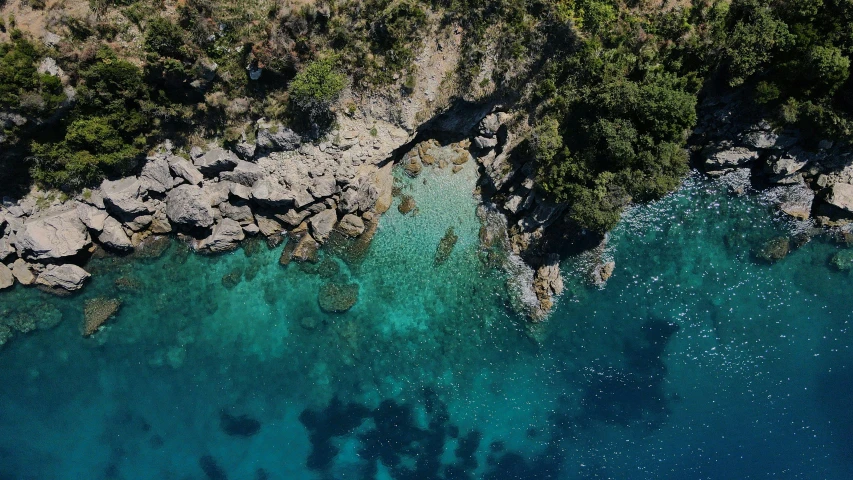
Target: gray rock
{"points": [[760, 140], [323, 186], [186, 170], [491, 123], [484, 143], [351, 225], [251, 229], [68, 277], [113, 236], [124, 196], [789, 163], [293, 217], [54, 236], [240, 191], [160, 222], [237, 211], [6, 249], [245, 150], [215, 161], [245, 173], [188, 205], [733, 157], [513, 203], [196, 152], [277, 138], [841, 195], [349, 201], [91, 216], [139, 222], [796, 201], [22, 272], [268, 226], [155, 176], [268, 191], [226, 236], [322, 224], [301, 197], [217, 192], [6, 277]]}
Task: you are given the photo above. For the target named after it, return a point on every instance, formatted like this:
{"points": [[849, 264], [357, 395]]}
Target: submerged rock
{"points": [[407, 204], [338, 297], [306, 249], [775, 249], [843, 260], [445, 246], [96, 312], [238, 426]]}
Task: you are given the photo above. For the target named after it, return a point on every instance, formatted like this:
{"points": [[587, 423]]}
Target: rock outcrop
{"points": [[189, 205], [67, 277], [53, 236], [226, 236]]}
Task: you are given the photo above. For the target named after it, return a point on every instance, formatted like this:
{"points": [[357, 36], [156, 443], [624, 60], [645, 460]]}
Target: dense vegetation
{"points": [[611, 85]]}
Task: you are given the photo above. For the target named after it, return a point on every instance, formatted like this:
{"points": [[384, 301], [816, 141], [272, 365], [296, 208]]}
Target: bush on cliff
{"points": [[317, 87]]}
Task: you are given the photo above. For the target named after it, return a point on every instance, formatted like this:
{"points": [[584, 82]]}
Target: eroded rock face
{"points": [[68, 277], [91, 216], [547, 283], [351, 225], [54, 236], [22, 273], [273, 138], [729, 158], [188, 205], [124, 196], [245, 173], [156, 176], [185, 170], [322, 224], [226, 236], [113, 236], [6, 277], [841, 195], [215, 161]]}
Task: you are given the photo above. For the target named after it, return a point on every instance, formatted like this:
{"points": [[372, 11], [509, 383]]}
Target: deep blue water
{"points": [[696, 360]]}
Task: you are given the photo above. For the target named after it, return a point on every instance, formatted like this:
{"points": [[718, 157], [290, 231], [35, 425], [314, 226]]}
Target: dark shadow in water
{"points": [[211, 469], [238, 426], [395, 439], [834, 397], [624, 395], [634, 391]]}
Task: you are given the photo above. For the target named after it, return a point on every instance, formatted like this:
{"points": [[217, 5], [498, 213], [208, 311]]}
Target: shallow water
{"points": [[695, 361]]}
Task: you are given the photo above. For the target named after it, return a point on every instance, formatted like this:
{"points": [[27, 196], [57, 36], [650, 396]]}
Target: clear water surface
{"points": [[695, 362]]}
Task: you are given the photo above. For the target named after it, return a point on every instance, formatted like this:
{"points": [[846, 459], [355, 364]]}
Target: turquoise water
{"points": [[695, 361]]}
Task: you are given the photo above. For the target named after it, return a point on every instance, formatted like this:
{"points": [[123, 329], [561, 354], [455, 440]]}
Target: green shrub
{"points": [[317, 87]]}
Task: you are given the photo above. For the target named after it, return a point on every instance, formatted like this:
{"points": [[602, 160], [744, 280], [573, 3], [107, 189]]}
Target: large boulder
{"points": [[54, 236], [6, 249], [22, 273], [238, 211], [245, 173], [156, 176], [91, 216], [215, 161], [351, 225], [124, 196], [305, 250], [185, 170], [68, 277], [6, 277], [226, 236], [268, 191], [840, 195], [729, 158], [322, 224], [323, 186], [188, 205], [277, 138], [113, 236]]}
